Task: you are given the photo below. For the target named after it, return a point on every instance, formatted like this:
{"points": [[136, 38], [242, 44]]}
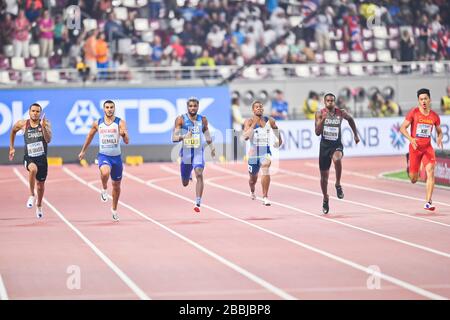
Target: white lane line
{"points": [[122, 275], [411, 244], [399, 195], [361, 203], [436, 186], [263, 283], [391, 279], [3, 292]]}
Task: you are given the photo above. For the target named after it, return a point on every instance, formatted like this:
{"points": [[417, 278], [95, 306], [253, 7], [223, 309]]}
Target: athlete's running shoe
{"points": [[266, 201], [197, 208], [339, 192], [252, 195], [30, 202], [428, 206], [39, 213], [104, 195], [325, 206], [115, 215]]}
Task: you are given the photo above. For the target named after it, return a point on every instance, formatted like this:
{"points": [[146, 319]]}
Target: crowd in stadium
{"points": [[219, 32]]}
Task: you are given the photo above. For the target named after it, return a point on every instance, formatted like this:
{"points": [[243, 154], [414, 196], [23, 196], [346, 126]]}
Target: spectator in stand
{"points": [[424, 33], [178, 49], [445, 102], [12, 7], [322, 32], [205, 60], [238, 120], [102, 55], [7, 30], [177, 23], [21, 40], [154, 7], [281, 52], [46, 27], [406, 46], [61, 37], [33, 9], [279, 106], [248, 49], [353, 30], [311, 105], [90, 53], [157, 51]]}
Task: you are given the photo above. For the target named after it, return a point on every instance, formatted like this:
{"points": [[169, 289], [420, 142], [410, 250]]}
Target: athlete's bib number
{"points": [[423, 130], [330, 133], [192, 142], [35, 149]]}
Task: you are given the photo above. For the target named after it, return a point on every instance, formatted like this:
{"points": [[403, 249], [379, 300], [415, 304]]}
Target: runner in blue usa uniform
{"points": [[191, 129]]}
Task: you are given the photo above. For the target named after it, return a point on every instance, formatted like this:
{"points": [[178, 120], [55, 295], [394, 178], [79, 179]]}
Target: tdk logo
{"points": [[81, 117]]}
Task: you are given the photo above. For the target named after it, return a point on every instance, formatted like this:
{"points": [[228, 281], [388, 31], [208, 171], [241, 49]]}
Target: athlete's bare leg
{"points": [[199, 185], [324, 182], [265, 179], [115, 193], [253, 178], [430, 180], [337, 160], [40, 192], [413, 177], [105, 171], [32, 171]]}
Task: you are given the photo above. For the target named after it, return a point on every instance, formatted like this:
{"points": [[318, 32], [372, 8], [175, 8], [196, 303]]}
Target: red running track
{"points": [[377, 243]]}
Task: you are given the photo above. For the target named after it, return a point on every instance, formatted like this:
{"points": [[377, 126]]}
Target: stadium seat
{"points": [[367, 45], [380, 32], [315, 70], [295, 20], [393, 44], [336, 34], [343, 70], [121, 13], [8, 50], [356, 56], [344, 57], [330, 70], [141, 24], [313, 46], [384, 55], [394, 32], [124, 46], [143, 49], [330, 56], [18, 63], [27, 76], [263, 72], [355, 69], [35, 50], [4, 78], [302, 71], [147, 36], [42, 63], [380, 44], [224, 72], [367, 34], [89, 24], [397, 68], [339, 45], [318, 57], [371, 56], [370, 69], [52, 76]]}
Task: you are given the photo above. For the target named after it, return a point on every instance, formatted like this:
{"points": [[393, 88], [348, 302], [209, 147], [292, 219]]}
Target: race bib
{"points": [[193, 141], [423, 130], [330, 133], [261, 138], [35, 149], [109, 141]]}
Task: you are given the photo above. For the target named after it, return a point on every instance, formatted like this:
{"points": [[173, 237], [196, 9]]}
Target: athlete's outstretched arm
{"points": [[439, 136], [123, 131], [176, 135], [352, 124], [89, 138], [16, 128], [276, 131], [404, 131], [208, 136]]}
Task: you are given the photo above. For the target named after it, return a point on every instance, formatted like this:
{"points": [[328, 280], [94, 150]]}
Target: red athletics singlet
{"points": [[421, 128]]}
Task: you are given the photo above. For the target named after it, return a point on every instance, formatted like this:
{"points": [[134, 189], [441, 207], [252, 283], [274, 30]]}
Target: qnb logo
{"points": [[81, 116], [397, 138]]}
